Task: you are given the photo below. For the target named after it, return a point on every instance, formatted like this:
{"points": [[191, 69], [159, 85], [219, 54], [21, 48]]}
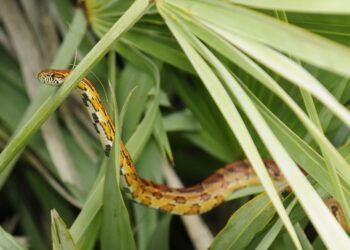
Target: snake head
{"points": [[52, 77]]}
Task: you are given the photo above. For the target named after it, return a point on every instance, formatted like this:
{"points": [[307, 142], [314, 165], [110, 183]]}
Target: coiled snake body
{"points": [[197, 199]]}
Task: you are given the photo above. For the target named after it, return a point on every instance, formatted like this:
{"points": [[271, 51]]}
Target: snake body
{"points": [[197, 199]]}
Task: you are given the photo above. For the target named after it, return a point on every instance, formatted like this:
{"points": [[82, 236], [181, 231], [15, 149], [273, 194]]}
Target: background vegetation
{"points": [[198, 84]]}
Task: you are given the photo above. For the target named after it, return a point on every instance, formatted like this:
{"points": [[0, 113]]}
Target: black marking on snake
{"points": [[96, 128], [108, 149], [95, 118], [126, 190], [85, 99]]}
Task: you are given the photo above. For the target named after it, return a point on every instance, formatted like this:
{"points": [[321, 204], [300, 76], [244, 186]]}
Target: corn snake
{"points": [[197, 199]]}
